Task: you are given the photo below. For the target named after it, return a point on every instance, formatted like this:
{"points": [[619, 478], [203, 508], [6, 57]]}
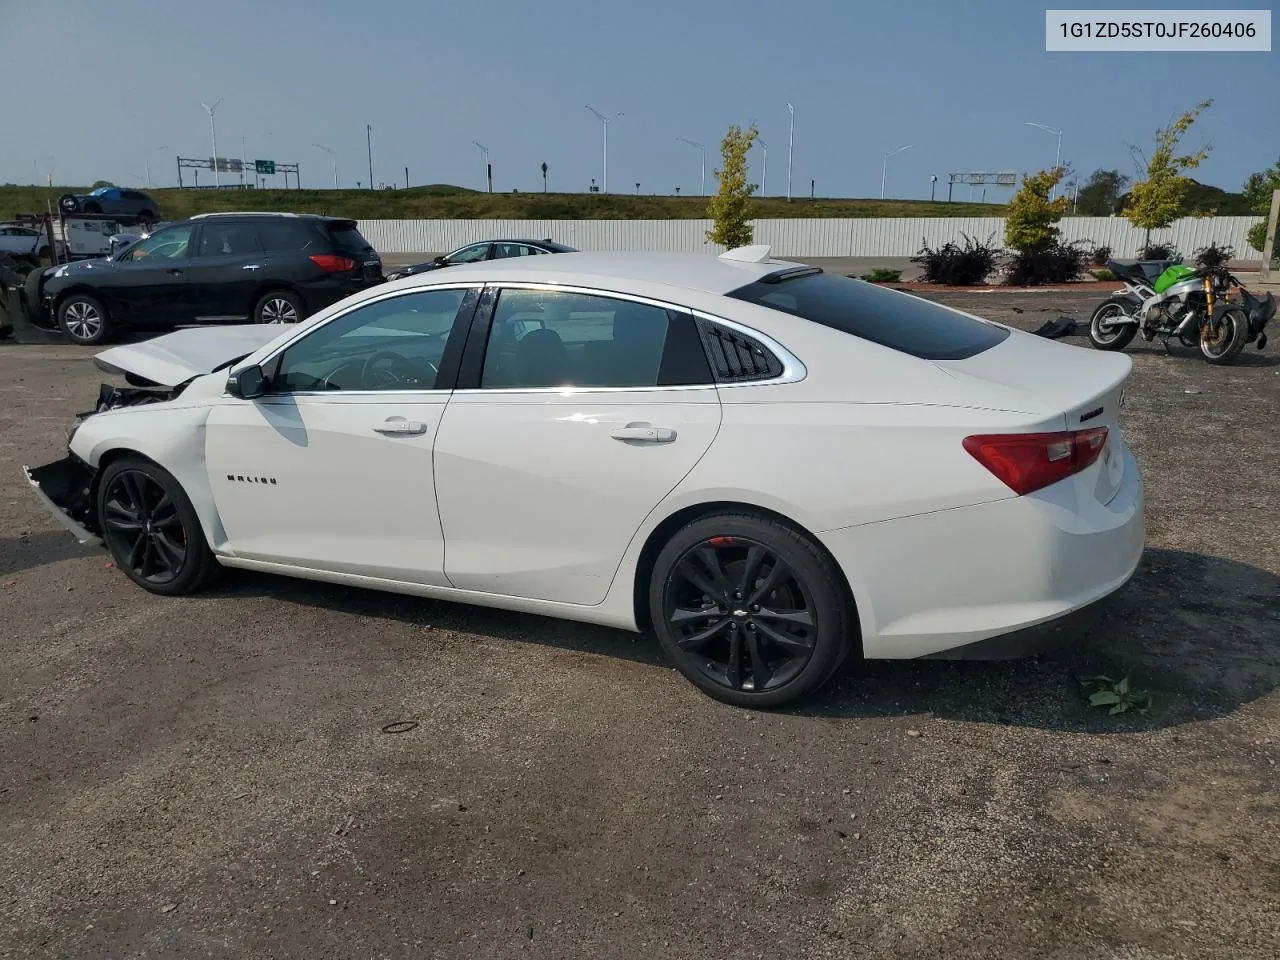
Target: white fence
{"points": [[887, 237]]}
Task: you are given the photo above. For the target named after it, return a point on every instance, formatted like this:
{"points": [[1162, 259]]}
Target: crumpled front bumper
{"points": [[65, 487]]}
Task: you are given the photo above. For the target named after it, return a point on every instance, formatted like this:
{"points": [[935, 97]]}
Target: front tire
{"points": [[279, 306], [84, 319], [751, 611], [151, 528], [1110, 338], [1232, 331]]}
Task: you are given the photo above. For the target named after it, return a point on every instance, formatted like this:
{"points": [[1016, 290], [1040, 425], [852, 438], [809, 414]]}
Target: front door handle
{"points": [[252, 266], [398, 426], [175, 271], [644, 433]]}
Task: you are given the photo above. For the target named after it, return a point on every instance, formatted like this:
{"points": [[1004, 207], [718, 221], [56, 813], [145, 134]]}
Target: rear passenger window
{"points": [[286, 235], [227, 239], [551, 339]]}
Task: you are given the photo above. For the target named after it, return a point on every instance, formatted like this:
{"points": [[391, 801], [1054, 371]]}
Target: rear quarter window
{"points": [[294, 235], [348, 239], [899, 321]]}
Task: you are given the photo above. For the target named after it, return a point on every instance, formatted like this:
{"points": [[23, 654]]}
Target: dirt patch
{"points": [[210, 776]]}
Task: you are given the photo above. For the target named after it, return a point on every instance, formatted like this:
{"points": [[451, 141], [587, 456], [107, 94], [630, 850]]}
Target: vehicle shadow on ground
{"points": [[28, 551], [1200, 634]]}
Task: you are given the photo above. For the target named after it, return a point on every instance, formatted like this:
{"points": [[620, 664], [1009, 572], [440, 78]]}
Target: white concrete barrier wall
{"points": [[887, 237]]}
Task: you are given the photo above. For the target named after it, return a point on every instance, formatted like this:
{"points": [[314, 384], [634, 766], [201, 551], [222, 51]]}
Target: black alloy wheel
{"points": [[753, 613], [151, 528]]}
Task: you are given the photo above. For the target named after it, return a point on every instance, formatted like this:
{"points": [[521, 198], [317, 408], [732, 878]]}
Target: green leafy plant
{"points": [[1101, 254], [1031, 224], [729, 207], [955, 265], [882, 275], [1157, 201], [1159, 251], [1257, 236], [1058, 263], [1100, 197], [1118, 695], [1103, 274]]}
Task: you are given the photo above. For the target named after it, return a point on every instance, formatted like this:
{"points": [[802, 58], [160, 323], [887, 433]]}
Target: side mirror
{"points": [[247, 383], [440, 261]]}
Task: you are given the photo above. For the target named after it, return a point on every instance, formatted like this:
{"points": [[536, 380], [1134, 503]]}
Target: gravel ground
{"points": [[209, 777]]}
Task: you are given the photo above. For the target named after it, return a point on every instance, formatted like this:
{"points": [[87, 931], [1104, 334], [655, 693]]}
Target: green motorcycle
{"points": [[1167, 299]]}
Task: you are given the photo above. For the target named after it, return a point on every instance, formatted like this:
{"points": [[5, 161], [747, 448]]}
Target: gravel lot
{"points": [[208, 777]]}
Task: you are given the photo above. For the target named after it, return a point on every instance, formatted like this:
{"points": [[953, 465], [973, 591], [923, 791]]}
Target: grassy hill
{"points": [[444, 202]]}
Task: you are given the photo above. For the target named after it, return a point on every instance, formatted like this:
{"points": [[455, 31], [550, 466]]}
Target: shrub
{"points": [[1257, 237], [1214, 258], [1061, 263], [1101, 255], [882, 275], [955, 265], [1031, 224], [1103, 275], [1158, 251]]}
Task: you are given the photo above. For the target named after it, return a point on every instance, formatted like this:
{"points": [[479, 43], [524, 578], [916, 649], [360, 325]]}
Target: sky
{"points": [[113, 91]]}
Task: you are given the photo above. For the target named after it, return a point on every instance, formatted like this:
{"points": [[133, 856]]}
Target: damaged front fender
{"points": [[65, 487]]}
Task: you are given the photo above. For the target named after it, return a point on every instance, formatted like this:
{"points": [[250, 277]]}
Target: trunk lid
{"points": [[1080, 385], [177, 357]]}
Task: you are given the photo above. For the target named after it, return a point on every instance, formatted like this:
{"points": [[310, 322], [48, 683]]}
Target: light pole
{"points": [[1057, 157], [333, 154], [884, 168], [146, 163], [791, 142], [488, 170], [35, 169], [764, 169], [605, 121], [213, 137], [368, 140], [703, 150]]}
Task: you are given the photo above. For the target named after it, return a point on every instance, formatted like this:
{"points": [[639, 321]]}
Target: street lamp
{"points": [[146, 163], [485, 153], [884, 167], [605, 121], [333, 154], [1057, 157], [764, 169], [791, 142], [703, 150], [213, 136]]}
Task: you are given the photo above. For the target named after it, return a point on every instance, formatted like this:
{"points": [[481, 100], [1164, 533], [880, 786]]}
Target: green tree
{"points": [[1257, 191], [1031, 223], [1156, 202], [101, 183], [1100, 197], [729, 207]]}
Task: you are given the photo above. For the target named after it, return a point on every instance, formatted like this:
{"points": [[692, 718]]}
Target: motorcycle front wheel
{"points": [[1106, 337], [1227, 335]]}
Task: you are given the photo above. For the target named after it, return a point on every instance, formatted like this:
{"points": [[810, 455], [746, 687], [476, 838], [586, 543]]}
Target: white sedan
{"points": [[768, 466]]}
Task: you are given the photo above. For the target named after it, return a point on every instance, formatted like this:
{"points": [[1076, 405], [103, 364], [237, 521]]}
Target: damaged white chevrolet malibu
{"points": [[768, 466]]}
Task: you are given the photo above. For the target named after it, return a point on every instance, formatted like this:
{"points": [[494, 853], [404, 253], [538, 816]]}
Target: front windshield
{"points": [[99, 192]]}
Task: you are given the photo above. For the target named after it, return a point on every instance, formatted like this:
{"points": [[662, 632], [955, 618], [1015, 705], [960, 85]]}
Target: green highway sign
{"points": [[265, 167]]}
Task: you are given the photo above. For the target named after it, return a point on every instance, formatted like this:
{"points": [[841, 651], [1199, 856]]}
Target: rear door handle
{"points": [[175, 271], [644, 433], [399, 427], [252, 266]]}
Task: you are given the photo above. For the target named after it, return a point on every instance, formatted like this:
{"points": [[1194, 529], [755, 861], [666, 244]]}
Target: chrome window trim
{"points": [[793, 369]]}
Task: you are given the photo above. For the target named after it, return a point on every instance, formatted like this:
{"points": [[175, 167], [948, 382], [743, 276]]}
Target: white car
{"points": [[768, 466], [25, 242]]}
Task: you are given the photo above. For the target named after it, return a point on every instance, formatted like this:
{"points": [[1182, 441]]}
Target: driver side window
{"points": [[391, 344], [170, 244], [471, 254]]}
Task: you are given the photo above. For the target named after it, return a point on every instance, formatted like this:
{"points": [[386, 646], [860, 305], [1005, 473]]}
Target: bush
{"points": [[955, 265], [1101, 255], [1103, 275], [882, 275], [1257, 237], [1061, 263], [1158, 251], [1214, 258]]}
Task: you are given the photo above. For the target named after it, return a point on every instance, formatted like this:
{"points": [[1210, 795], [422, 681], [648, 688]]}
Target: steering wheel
{"points": [[394, 370]]}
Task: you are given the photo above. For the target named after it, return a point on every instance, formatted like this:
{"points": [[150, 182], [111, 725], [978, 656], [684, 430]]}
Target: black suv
{"points": [[212, 268]]}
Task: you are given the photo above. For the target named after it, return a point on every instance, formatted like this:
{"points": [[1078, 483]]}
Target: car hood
{"points": [[177, 357]]}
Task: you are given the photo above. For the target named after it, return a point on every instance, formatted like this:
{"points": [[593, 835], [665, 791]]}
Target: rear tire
{"points": [[151, 528], [752, 612], [84, 319], [279, 306], [1234, 333], [1113, 338]]}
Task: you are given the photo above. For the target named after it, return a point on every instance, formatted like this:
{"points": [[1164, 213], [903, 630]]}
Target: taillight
{"points": [[331, 264], [1025, 462]]}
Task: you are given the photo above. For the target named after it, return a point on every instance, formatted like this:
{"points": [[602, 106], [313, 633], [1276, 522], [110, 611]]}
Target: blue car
{"points": [[113, 201]]}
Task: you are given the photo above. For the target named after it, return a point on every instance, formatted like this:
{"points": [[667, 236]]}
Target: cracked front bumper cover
{"points": [[65, 487]]}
